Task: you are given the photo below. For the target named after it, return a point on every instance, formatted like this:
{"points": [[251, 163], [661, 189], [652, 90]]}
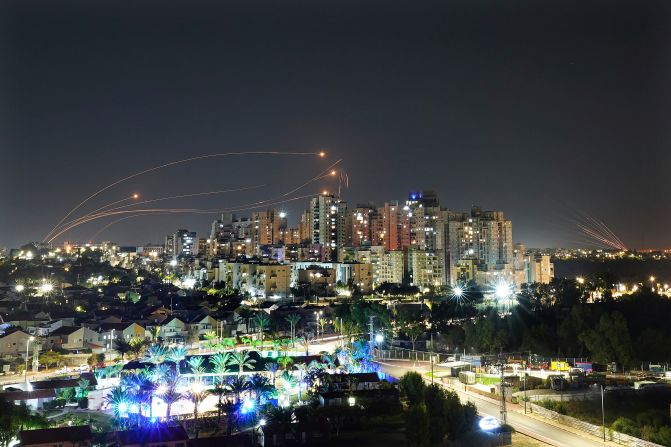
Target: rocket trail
{"points": [[173, 163]]}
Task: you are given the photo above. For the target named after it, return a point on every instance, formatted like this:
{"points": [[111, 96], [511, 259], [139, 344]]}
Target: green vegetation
{"points": [[645, 416], [433, 414]]}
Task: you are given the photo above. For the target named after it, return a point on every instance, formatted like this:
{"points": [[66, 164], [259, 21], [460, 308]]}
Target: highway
{"points": [[540, 430]]}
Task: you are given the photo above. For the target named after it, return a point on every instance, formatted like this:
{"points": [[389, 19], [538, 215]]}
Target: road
{"points": [[543, 431]]}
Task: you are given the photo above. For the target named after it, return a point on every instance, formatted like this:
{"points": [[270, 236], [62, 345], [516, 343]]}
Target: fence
{"points": [[408, 354]]}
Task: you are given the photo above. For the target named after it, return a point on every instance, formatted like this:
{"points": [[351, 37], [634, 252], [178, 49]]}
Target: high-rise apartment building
{"points": [[182, 243], [331, 224], [267, 227], [485, 237]]}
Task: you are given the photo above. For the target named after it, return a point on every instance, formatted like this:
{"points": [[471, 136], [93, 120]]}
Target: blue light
{"points": [[247, 406]]}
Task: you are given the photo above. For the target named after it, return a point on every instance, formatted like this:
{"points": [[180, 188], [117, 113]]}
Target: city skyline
{"points": [[542, 128]]}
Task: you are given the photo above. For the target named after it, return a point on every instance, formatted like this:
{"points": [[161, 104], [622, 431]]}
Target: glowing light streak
{"points": [[172, 163]]}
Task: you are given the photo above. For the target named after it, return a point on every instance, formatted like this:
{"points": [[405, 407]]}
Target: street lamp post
{"points": [[603, 416], [25, 371]]}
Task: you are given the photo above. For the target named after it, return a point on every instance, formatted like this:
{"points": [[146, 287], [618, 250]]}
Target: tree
{"points": [[51, 358], [446, 415], [156, 353], [262, 321], [610, 341], [219, 391], [196, 366], [177, 354], [220, 362], [122, 346], [243, 360], [196, 395], [416, 420], [413, 331], [411, 385], [169, 391], [260, 386], [237, 385], [137, 346], [272, 368], [293, 320]]}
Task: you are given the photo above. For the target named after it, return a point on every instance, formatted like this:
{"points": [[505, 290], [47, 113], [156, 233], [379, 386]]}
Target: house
{"points": [[353, 382], [33, 399], [173, 329], [362, 397], [78, 436], [73, 338], [13, 343], [108, 332], [203, 324], [161, 436]]}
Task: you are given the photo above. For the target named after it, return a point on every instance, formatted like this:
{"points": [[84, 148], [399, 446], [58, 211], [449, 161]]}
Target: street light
{"points": [[25, 371]]}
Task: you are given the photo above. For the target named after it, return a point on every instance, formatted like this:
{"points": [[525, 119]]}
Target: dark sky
{"points": [[537, 108]]}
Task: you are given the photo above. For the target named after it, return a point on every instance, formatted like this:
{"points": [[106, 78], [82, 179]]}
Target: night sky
{"points": [[537, 108]]}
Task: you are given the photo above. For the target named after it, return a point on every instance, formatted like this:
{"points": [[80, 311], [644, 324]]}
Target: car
{"points": [[63, 370]]}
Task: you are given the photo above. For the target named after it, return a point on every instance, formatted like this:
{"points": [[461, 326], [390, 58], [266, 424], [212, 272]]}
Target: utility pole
{"points": [[603, 416], [431, 354], [525, 391], [370, 328], [504, 414]]}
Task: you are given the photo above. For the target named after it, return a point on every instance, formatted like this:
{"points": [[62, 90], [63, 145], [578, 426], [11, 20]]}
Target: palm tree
{"points": [[154, 333], [196, 366], [121, 346], [159, 372], [293, 320], [262, 321], [220, 361], [156, 353], [301, 367], [230, 408], [196, 395], [137, 345], [118, 399], [237, 385], [177, 355], [272, 368], [285, 361], [211, 340], [219, 390], [260, 386], [169, 394], [280, 420], [243, 360]]}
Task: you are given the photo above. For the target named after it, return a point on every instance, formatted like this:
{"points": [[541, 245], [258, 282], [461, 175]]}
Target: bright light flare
{"points": [[19, 288], [322, 154], [379, 338], [488, 423], [503, 290]]}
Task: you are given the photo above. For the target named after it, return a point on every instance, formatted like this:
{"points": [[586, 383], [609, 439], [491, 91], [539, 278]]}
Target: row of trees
{"points": [[433, 414]]}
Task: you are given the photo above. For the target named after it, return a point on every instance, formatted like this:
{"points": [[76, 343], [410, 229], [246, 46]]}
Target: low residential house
{"points": [[13, 343], [202, 324], [353, 382], [46, 328], [174, 329], [73, 338], [361, 397], [78, 436], [108, 332], [161, 436], [33, 399]]}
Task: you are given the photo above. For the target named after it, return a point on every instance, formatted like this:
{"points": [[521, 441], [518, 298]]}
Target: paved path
{"points": [[527, 425]]}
